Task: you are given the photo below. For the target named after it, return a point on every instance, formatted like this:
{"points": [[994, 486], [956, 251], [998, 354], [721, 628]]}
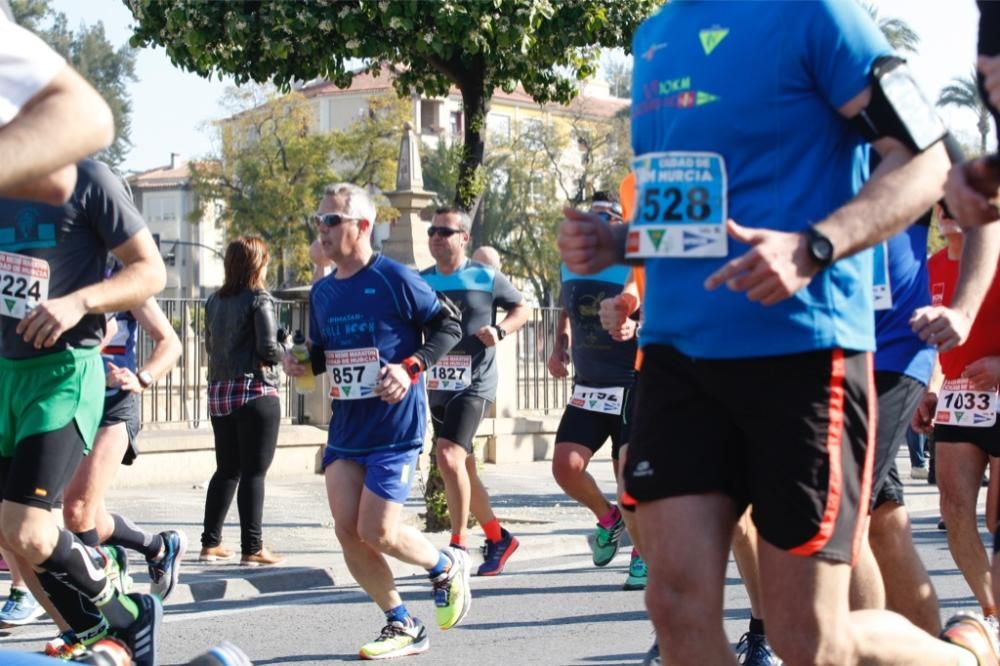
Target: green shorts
{"points": [[45, 393]]}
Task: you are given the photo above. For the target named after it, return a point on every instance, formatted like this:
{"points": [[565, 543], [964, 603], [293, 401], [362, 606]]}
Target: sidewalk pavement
{"points": [[297, 524]]}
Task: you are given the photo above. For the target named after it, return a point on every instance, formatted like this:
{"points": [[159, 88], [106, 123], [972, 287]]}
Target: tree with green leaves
{"points": [[367, 151], [898, 32], [529, 179], [88, 50], [475, 46], [269, 174], [963, 92]]}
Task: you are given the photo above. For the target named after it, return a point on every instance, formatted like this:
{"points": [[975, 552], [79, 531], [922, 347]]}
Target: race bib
{"points": [[681, 206], [882, 290], [353, 373], [601, 400], [961, 405], [452, 373], [24, 283]]}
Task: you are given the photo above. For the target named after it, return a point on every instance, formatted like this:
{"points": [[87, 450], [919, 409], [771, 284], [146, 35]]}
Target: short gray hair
{"points": [[357, 201], [464, 221]]}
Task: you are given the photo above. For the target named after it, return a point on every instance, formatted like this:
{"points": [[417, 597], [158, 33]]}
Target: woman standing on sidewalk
{"points": [[242, 345]]}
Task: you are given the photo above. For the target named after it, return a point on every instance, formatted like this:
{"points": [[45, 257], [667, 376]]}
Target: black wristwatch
{"points": [[820, 247], [501, 334]]}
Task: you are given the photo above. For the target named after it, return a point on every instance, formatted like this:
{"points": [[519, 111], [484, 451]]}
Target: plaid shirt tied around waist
{"points": [[228, 395]]}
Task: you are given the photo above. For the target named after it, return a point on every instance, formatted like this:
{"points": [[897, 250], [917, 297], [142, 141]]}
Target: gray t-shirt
{"points": [[74, 240], [598, 359], [478, 290]]}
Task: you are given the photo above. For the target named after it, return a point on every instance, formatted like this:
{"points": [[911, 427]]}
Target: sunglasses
{"points": [[445, 232], [331, 219]]}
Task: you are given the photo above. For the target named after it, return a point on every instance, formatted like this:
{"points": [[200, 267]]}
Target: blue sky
{"points": [[171, 107]]}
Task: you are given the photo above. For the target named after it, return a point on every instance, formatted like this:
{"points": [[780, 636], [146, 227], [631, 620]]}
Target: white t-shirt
{"points": [[27, 65]]}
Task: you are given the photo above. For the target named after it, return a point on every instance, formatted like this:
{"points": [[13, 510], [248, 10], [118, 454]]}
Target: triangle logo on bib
{"points": [[959, 415], [347, 390], [656, 237], [10, 304], [712, 38]]}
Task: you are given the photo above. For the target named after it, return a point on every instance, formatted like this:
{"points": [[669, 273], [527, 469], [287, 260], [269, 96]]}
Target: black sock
{"points": [[756, 626], [79, 612], [83, 568], [89, 537], [127, 535]]}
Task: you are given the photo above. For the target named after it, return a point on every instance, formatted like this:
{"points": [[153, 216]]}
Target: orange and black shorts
{"points": [[789, 435]]}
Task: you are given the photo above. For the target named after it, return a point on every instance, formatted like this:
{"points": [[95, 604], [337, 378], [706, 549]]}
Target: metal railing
{"points": [[536, 388], [181, 397]]}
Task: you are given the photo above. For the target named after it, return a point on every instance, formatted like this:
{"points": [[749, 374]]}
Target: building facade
{"points": [[192, 251]]}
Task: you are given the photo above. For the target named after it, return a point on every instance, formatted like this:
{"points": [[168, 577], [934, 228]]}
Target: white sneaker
{"points": [[919, 473]]}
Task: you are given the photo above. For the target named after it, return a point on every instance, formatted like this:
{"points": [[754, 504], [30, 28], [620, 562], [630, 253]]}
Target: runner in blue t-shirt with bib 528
{"points": [[756, 380]]}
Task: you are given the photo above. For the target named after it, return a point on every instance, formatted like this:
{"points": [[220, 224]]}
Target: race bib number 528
{"points": [[24, 283], [681, 206]]}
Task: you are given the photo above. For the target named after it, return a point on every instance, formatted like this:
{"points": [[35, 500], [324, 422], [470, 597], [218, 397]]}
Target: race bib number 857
{"points": [[353, 373]]}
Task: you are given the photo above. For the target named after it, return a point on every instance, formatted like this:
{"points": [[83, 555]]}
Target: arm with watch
{"points": [[166, 350], [441, 333], [895, 118], [492, 334]]}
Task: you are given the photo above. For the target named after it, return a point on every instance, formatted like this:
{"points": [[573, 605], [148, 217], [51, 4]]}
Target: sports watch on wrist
{"points": [[413, 367], [820, 247], [145, 379], [501, 334]]}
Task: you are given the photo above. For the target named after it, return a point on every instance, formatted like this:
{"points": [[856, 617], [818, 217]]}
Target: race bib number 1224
{"points": [[24, 283]]}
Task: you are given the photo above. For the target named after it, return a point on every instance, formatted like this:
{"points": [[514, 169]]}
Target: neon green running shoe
{"points": [[398, 639], [606, 541], [452, 596], [637, 574]]}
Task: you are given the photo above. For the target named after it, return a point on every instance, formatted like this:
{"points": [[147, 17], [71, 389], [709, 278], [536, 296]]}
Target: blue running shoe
{"points": [[495, 555], [143, 635], [753, 650], [21, 608], [165, 572]]}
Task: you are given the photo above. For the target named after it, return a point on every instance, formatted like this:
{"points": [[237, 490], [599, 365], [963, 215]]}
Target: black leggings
{"points": [[244, 448]]}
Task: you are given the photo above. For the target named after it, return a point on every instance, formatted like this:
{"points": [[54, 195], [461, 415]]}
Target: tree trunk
{"points": [[475, 106]]}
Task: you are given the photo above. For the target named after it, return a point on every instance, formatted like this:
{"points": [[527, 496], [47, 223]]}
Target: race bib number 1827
{"points": [[452, 373], [681, 206], [24, 283]]}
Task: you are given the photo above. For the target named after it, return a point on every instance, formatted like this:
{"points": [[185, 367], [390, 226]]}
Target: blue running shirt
{"points": [[899, 348], [477, 290], [758, 83], [598, 359], [384, 306]]}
